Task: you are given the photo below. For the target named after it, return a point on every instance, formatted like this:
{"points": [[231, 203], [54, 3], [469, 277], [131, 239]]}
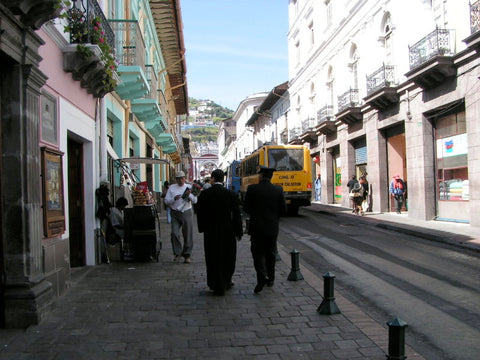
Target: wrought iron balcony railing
{"points": [[152, 82], [308, 124], [325, 113], [88, 24], [475, 17], [383, 77], [348, 99], [438, 42], [129, 43], [294, 133]]}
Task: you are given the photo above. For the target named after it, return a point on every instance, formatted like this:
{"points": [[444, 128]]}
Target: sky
{"points": [[234, 48]]}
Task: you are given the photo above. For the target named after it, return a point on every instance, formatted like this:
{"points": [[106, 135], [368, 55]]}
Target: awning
{"points": [[145, 160]]}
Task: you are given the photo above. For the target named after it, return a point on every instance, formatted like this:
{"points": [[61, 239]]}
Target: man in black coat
{"points": [[265, 203], [219, 218]]}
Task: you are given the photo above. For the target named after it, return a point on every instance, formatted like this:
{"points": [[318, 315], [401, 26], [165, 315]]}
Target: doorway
{"points": [[76, 209], [397, 161]]}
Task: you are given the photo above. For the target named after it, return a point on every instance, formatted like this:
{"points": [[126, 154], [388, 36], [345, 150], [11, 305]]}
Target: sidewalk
{"points": [[457, 234], [164, 310]]}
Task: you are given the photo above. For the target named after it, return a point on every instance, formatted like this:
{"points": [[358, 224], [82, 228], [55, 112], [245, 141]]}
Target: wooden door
{"points": [[76, 219]]}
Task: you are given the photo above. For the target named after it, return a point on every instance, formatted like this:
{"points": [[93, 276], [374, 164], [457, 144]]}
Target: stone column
{"points": [[27, 294]]}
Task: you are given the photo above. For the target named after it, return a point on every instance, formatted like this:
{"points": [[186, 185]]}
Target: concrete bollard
{"points": [[295, 273], [396, 339], [328, 305]]}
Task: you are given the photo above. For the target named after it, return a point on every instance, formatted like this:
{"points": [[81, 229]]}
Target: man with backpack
{"points": [[398, 189]]}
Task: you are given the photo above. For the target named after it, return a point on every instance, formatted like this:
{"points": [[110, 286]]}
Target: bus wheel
{"points": [[292, 210]]}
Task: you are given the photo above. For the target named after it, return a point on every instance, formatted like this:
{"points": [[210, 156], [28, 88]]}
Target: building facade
{"points": [[384, 88], [100, 83]]}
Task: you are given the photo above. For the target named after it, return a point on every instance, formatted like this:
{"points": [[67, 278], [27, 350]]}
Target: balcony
{"points": [[325, 122], [431, 61], [473, 41], [130, 50], [148, 109], [294, 135], [308, 130], [349, 107], [90, 56], [380, 92], [34, 13]]}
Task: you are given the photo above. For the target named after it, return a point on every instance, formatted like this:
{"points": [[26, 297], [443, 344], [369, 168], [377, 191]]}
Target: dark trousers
{"points": [[264, 255], [398, 202]]}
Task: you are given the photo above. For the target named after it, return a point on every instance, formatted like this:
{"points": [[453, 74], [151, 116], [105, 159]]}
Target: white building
{"points": [[390, 87]]}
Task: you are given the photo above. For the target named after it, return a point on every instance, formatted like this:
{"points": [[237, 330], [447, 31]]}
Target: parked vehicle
{"points": [[293, 172]]}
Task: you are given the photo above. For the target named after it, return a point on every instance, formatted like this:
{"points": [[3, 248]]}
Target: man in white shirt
{"points": [[180, 199]]}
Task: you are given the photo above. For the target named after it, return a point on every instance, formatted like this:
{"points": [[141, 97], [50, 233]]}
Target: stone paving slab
{"points": [[164, 310]]}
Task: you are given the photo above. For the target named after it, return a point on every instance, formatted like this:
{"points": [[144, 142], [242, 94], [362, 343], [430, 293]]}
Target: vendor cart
{"points": [[142, 233]]}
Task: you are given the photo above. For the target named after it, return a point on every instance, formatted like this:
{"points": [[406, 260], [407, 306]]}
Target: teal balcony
{"points": [[130, 52], [147, 109], [164, 139], [170, 149]]}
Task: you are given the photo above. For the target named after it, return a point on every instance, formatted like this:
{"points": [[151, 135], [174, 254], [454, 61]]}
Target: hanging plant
{"points": [[84, 32]]}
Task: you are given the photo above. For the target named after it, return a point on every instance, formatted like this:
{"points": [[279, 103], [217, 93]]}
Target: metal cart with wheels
{"points": [[142, 232]]}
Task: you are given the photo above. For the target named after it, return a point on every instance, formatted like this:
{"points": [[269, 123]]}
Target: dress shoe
{"points": [[259, 287]]}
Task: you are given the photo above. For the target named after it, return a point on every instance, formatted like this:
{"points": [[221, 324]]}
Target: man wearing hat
{"points": [[398, 189], [180, 199], [265, 203]]}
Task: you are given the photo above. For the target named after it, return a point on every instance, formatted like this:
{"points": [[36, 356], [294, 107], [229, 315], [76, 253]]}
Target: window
{"points": [[328, 11], [354, 67], [110, 131], [330, 92], [132, 146], [49, 118], [452, 157], [297, 52], [285, 159], [312, 35], [386, 36]]}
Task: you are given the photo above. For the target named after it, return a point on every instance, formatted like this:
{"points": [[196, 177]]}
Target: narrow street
{"points": [[433, 287]]}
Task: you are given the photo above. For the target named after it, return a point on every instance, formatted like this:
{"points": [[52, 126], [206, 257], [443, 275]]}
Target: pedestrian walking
{"points": [[265, 203], [398, 189], [167, 208], [220, 221], [318, 188], [180, 199], [351, 183]]}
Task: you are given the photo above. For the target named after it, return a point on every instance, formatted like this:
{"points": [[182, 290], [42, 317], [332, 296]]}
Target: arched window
{"points": [[386, 39], [330, 92], [353, 65]]}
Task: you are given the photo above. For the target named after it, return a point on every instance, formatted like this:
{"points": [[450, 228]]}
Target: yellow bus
{"points": [[293, 172]]}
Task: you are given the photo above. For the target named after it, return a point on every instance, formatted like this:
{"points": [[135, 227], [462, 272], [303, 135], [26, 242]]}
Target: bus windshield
{"points": [[286, 159]]}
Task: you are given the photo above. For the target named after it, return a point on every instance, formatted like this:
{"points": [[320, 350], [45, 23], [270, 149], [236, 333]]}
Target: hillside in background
{"points": [[202, 123]]}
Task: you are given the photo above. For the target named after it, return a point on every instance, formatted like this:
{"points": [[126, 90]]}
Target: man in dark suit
{"points": [[265, 203], [219, 218]]}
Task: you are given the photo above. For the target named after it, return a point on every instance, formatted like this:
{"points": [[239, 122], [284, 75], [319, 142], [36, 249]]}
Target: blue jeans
{"points": [[318, 193]]}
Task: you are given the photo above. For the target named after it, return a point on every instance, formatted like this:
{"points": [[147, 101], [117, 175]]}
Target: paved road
{"points": [[432, 286], [164, 310]]}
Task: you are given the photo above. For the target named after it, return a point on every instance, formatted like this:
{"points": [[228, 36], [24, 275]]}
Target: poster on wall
{"points": [[452, 146], [52, 192]]}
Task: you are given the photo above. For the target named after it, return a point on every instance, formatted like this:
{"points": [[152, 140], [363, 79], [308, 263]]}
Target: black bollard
{"points": [[295, 273], [328, 305], [396, 339]]}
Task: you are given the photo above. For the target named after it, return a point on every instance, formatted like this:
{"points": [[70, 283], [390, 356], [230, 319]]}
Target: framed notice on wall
{"points": [[52, 191]]}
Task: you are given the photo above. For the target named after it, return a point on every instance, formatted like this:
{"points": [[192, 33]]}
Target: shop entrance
{"points": [[397, 160], [337, 176], [451, 147], [76, 204]]}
